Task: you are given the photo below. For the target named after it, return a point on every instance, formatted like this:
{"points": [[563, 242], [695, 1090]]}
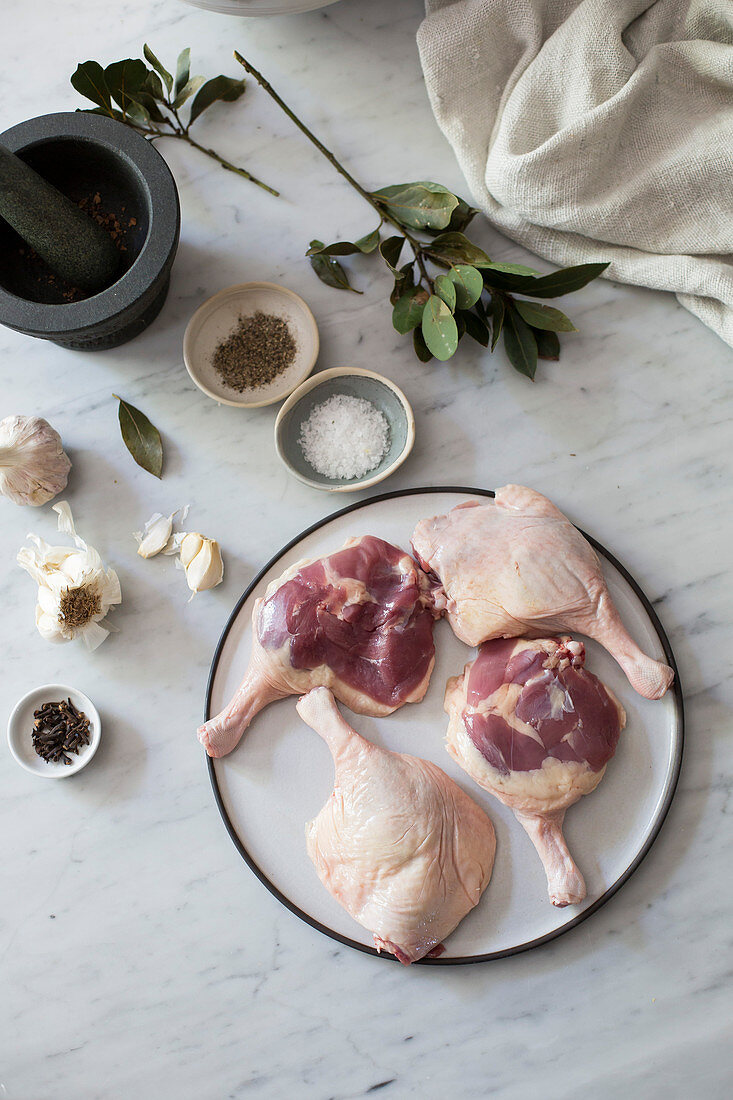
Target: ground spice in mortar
{"points": [[259, 349], [117, 225]]}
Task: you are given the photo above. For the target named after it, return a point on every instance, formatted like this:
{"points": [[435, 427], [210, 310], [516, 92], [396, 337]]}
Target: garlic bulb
{"points": [[75, 591], [201, 558], [33, 466]]}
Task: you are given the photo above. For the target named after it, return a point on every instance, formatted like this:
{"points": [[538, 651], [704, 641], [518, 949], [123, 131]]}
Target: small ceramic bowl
{"points": [[218, 317], [20, 727], [354, 382]]}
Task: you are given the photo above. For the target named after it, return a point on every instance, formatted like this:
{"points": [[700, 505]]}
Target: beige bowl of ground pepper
{"points": [[251, 344]]}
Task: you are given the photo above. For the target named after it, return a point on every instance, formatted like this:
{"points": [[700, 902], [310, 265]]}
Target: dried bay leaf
{"points": [[141, 438]]}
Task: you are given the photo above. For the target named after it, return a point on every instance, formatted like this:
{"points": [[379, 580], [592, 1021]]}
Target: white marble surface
{"points": [[139, 957]]}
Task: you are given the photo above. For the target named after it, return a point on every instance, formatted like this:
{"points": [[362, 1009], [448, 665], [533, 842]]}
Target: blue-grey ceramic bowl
{"points": [[354, 382]]}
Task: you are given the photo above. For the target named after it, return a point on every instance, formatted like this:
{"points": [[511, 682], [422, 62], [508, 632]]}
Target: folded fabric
{"points": [[594, 130]]}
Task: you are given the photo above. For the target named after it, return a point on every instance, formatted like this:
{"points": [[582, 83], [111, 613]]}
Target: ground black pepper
{"points": [[259, 349]]}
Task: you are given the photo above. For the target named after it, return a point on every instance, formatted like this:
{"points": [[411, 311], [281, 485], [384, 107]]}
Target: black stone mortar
{"points": [[85, 156]]}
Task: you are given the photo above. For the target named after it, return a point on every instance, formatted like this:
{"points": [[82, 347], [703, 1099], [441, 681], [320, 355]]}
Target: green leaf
{"points": [[113, 113], [548, 344], [408, 311], [183, 69], [439, 329], [455, 248], [546, 317], [154, 87], [404, 279], [153, 60], [141, 438], [447, 291], [137, 113], [89, 81], [468, 284], [476, 328], [512, 269], [520, 344], [188, 90], [390, 249], [369, 242], [340, 248], [224, 88], [422, 351], [421, 205], [566, 280], [462, 216], [124, 80], [497, 318], [553, 285], [329, 270], [149, 101]]}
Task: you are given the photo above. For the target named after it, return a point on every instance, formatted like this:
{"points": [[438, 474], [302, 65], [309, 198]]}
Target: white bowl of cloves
{"points": [[54, 731]]}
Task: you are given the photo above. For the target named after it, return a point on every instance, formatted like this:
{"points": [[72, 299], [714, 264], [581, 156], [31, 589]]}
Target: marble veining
{"points": [[139, 957]]}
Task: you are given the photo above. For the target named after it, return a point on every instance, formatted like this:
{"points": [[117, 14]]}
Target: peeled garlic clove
{"points": [[190, 545], [201, 558], [33, 466], [155, 535]]}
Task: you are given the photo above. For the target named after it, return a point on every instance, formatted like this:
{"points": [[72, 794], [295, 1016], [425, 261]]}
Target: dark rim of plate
{"points": [[662, 812]]}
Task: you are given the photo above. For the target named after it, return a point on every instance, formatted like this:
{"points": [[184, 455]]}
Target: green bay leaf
{"points": [[468, 284], [408, 311], [539, 315], [455, 248], [421, 205], [439, 328], [447, 291], [520, 344]]}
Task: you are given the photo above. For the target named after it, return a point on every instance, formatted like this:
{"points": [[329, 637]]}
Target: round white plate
{"points": [[281, 773]]}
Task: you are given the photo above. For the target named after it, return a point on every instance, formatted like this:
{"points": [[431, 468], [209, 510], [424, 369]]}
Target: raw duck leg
{"points": [[516, 566], [531, 725], [359, 621], [399, 845]]}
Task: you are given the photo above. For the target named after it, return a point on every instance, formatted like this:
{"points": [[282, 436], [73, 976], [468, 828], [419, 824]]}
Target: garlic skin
{"points": [[155, 536], [202, 561], [74, 579], [33, 466]]}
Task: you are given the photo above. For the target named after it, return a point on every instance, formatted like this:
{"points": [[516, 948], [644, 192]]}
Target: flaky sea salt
{"points": [[344, 437]]}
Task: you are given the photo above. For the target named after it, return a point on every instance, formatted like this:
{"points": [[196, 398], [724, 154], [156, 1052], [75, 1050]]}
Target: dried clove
{"points": [[59, 728]]}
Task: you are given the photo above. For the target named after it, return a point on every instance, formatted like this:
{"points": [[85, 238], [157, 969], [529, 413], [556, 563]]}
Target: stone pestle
{"points": [[70, 241]]}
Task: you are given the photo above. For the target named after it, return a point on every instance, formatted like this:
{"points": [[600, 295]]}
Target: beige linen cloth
{"points": [[593, 130]]}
